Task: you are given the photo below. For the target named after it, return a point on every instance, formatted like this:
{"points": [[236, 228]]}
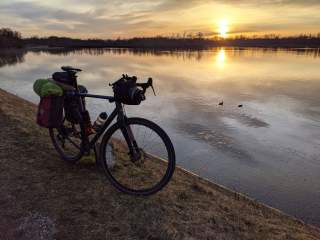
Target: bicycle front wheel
{"points": [[143, 176]]}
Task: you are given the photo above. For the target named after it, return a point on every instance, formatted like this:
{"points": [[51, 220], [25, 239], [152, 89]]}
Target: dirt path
{"points": [[42, 197]]}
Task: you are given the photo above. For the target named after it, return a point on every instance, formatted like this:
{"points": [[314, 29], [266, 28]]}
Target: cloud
{"points": [[90, 21], [113, 18], [34, 11], [169, 5], [269, 2]]}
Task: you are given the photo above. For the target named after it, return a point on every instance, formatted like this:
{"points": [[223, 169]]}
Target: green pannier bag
{"points": [[50, 108], [47, 88]]}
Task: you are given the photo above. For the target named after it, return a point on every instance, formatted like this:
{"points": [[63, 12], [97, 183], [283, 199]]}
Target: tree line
{"points": [[11, 39]]}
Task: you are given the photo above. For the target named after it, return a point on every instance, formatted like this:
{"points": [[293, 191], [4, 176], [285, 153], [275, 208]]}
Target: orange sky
{"points": [[120, 18]]}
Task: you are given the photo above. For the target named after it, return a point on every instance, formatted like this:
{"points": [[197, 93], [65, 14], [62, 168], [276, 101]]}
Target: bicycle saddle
{"points": [[70, 69]]}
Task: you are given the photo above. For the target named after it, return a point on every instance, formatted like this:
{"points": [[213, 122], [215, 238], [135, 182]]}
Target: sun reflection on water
{"points": [[221, 58]]}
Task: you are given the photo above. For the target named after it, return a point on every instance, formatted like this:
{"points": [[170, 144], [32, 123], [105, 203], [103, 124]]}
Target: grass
{"points": [[43, 197]]}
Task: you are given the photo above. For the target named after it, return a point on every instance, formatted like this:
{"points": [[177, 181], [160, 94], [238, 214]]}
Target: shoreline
{"points": [[155, 48], [188, 200], [28, 48]]}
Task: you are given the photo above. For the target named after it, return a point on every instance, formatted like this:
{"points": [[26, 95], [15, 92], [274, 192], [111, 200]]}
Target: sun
{"points": [[223, 28]]}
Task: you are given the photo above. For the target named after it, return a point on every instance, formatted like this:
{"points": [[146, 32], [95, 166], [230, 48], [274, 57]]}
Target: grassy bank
{"points": [[42, 197]]}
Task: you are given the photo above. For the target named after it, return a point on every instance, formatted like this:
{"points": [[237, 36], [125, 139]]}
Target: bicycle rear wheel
{"points": [[146, 175], [67, 141]]}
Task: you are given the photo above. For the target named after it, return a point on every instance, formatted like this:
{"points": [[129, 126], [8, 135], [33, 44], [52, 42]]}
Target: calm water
{"points": [[269, 149]]}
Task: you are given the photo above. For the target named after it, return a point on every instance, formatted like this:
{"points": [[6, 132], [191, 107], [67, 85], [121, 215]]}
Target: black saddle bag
{"points": [[64, 77], [72, 106]]}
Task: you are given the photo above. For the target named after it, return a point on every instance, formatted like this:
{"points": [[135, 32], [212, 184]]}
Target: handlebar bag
{"points": [[50, 112], [127, 92]]}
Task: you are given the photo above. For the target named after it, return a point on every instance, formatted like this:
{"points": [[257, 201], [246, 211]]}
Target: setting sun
{"points": [[223, 28]]}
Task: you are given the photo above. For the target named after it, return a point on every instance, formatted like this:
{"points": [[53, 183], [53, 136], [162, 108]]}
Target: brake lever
{"points": [[153, 90], [150, 83]]}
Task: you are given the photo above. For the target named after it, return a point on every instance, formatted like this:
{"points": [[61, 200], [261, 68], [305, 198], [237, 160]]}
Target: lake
{"points": [[268, 149]]}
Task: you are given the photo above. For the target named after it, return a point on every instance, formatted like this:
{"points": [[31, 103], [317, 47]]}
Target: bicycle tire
{"points": [[70, 159], [167, 143]]}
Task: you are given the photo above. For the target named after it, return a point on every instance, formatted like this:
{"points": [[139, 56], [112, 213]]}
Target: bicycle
{"points": [[136, 155]]}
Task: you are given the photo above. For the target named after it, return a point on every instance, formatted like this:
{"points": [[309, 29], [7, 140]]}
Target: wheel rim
{"points": [[145, 173], [67, 140]]}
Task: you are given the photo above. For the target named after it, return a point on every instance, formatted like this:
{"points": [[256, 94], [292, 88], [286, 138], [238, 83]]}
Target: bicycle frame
{"points": [[121, 117]]}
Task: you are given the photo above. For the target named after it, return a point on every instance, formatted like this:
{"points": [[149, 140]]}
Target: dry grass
{"points": [[42, 197]]}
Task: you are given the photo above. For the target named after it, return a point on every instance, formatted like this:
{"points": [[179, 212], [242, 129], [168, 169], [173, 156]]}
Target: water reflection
{"points": [[268, 149], [221, 57], [11, 57]]}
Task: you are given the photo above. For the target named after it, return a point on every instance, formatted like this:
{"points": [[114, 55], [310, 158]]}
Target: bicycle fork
{"points": [[134, 150]]}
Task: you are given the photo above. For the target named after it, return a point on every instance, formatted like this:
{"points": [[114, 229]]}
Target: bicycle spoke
{"points": [[67, 141], [73, 143], [143, 173]]}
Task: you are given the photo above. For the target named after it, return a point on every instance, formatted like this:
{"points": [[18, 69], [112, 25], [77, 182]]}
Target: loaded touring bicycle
{"points": [[136, 155]]}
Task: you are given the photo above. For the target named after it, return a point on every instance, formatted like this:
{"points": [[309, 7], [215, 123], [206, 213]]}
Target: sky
{"points": [[137, 18]]}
